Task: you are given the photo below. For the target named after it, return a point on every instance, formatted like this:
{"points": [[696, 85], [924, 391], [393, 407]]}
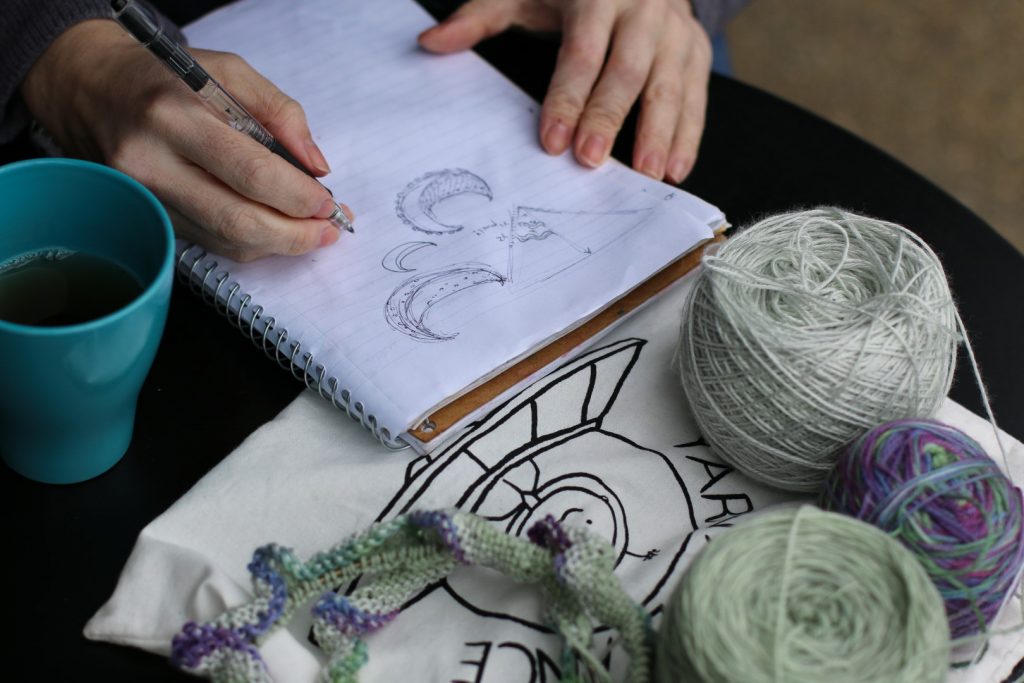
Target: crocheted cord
{"points": [[394, 560]]}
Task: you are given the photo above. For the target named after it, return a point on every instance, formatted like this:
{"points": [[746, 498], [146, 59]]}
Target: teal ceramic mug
{"points": [[68, 390]]}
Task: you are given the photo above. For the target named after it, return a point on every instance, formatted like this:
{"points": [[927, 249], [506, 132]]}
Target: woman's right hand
{"points": [[104, 97]]}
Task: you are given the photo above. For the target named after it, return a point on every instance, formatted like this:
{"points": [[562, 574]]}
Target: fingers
{"points": [[220, 219], [467, 26], [637, 36], [673, 107], [688, 108], [238, 197], [248, 168], [280, 114], [683, 153], [585, 40], [656, 52]]}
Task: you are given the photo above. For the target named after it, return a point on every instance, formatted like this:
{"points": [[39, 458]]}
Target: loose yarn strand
{"points": [[984, 394]]}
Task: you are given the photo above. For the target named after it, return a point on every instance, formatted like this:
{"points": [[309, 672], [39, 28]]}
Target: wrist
{"points": [[63, 86]]}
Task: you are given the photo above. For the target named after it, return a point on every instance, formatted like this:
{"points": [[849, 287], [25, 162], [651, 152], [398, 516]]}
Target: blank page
{"points": [[472, 245]]}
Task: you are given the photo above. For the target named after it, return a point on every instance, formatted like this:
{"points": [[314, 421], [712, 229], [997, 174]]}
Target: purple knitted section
{"points": [[442, 524], [548, 533], [195, 643], [263, 573], [347, 618]]}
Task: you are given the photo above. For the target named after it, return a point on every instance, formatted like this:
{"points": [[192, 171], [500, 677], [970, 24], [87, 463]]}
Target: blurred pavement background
{"points": [[939, 84]]}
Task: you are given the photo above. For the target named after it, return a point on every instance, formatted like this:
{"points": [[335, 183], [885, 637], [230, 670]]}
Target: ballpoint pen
{"points": [[138, 23]]}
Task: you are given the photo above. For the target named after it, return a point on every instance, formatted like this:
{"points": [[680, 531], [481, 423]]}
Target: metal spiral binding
{"points": [[302, 367]]}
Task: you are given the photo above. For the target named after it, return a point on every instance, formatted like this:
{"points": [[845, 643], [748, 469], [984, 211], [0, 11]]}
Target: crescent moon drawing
{"points": [[415, 204], [407, 307], [393, 259]]}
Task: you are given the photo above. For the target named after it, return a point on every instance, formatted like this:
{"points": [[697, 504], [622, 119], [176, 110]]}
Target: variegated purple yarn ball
{"points": [[935, 489]]}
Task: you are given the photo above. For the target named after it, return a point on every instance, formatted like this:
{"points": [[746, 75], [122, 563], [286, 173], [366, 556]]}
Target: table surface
{"points": [[210, 388]]}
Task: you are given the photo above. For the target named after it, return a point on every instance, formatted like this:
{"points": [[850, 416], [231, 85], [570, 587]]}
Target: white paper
{"points": [[472, 245]]}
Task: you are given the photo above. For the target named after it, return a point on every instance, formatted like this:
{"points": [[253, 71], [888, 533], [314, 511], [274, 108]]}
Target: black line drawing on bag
{"points": [[394, 260], [550, 473], [407, 308], [417, 203]]}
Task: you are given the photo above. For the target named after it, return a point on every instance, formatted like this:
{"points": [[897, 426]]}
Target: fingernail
{"points": [[326, 209], [677, 170], [593, 150], [347, 211], [556, 139], [317, 157], [653, 165], [329, 235]]}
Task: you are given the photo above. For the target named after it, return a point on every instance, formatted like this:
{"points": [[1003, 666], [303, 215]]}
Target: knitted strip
{"points": [[395, 560]]}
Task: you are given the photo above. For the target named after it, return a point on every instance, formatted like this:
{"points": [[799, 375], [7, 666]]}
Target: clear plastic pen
{"points": [[138, 23]]}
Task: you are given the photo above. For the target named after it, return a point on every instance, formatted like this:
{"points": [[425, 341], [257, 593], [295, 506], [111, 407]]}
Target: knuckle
{"points": [[700, 43], [653, 138], [124, 156], [604, 116], [235, 225], [244, 255], [157, 108], [564, 103], [584, 52], [282, 109], [290, 108], [301, 241], [661, 93], [653, 9], [628, 70], [255, 173], [233, 65], [314, 198]]}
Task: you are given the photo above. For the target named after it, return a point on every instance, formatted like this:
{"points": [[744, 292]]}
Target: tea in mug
{"points": [[57, 286]]}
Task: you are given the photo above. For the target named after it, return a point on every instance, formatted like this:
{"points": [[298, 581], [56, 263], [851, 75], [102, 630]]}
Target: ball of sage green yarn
{"points": [[803, 596], [805, 330]]}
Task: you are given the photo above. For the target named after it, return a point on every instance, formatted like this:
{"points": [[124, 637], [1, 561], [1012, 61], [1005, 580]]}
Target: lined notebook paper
{"points": [[473, 247]]}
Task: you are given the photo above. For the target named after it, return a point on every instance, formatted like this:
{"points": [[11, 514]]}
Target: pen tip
{"points": [[340, 220]]}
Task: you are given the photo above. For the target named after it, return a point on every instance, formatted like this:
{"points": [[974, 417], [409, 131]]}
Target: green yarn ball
{"points": [[800, 595], [807, 329]]}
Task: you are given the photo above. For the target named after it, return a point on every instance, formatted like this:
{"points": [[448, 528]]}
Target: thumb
{"points": [[471, 23]]}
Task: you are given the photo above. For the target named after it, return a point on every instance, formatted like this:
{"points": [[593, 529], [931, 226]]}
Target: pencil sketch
{"points": [[394, 259], [416, 204], [545, 242], [407, 308], [534, 457], [529, 246]]}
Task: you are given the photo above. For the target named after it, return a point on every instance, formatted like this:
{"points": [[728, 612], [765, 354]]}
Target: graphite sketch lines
{"points": [[415, 204], [529, 246], [407, 308], [394, 259]]}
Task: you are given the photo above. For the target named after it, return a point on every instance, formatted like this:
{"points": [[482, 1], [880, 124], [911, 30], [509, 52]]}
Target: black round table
{"points": [[210, 388]]}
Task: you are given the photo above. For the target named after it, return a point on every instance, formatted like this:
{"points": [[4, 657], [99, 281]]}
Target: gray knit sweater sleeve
{"points": [[713, 15], [27, 27]]}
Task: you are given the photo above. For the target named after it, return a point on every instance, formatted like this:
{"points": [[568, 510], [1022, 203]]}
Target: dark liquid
{"points": [[59, 287]]}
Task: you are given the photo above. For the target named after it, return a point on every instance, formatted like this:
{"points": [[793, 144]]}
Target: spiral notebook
{"points": [[478, 260]]}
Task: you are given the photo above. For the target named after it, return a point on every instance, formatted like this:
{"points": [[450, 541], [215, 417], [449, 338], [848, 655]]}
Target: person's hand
{"points": [[104, 97], [613, 53]]}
